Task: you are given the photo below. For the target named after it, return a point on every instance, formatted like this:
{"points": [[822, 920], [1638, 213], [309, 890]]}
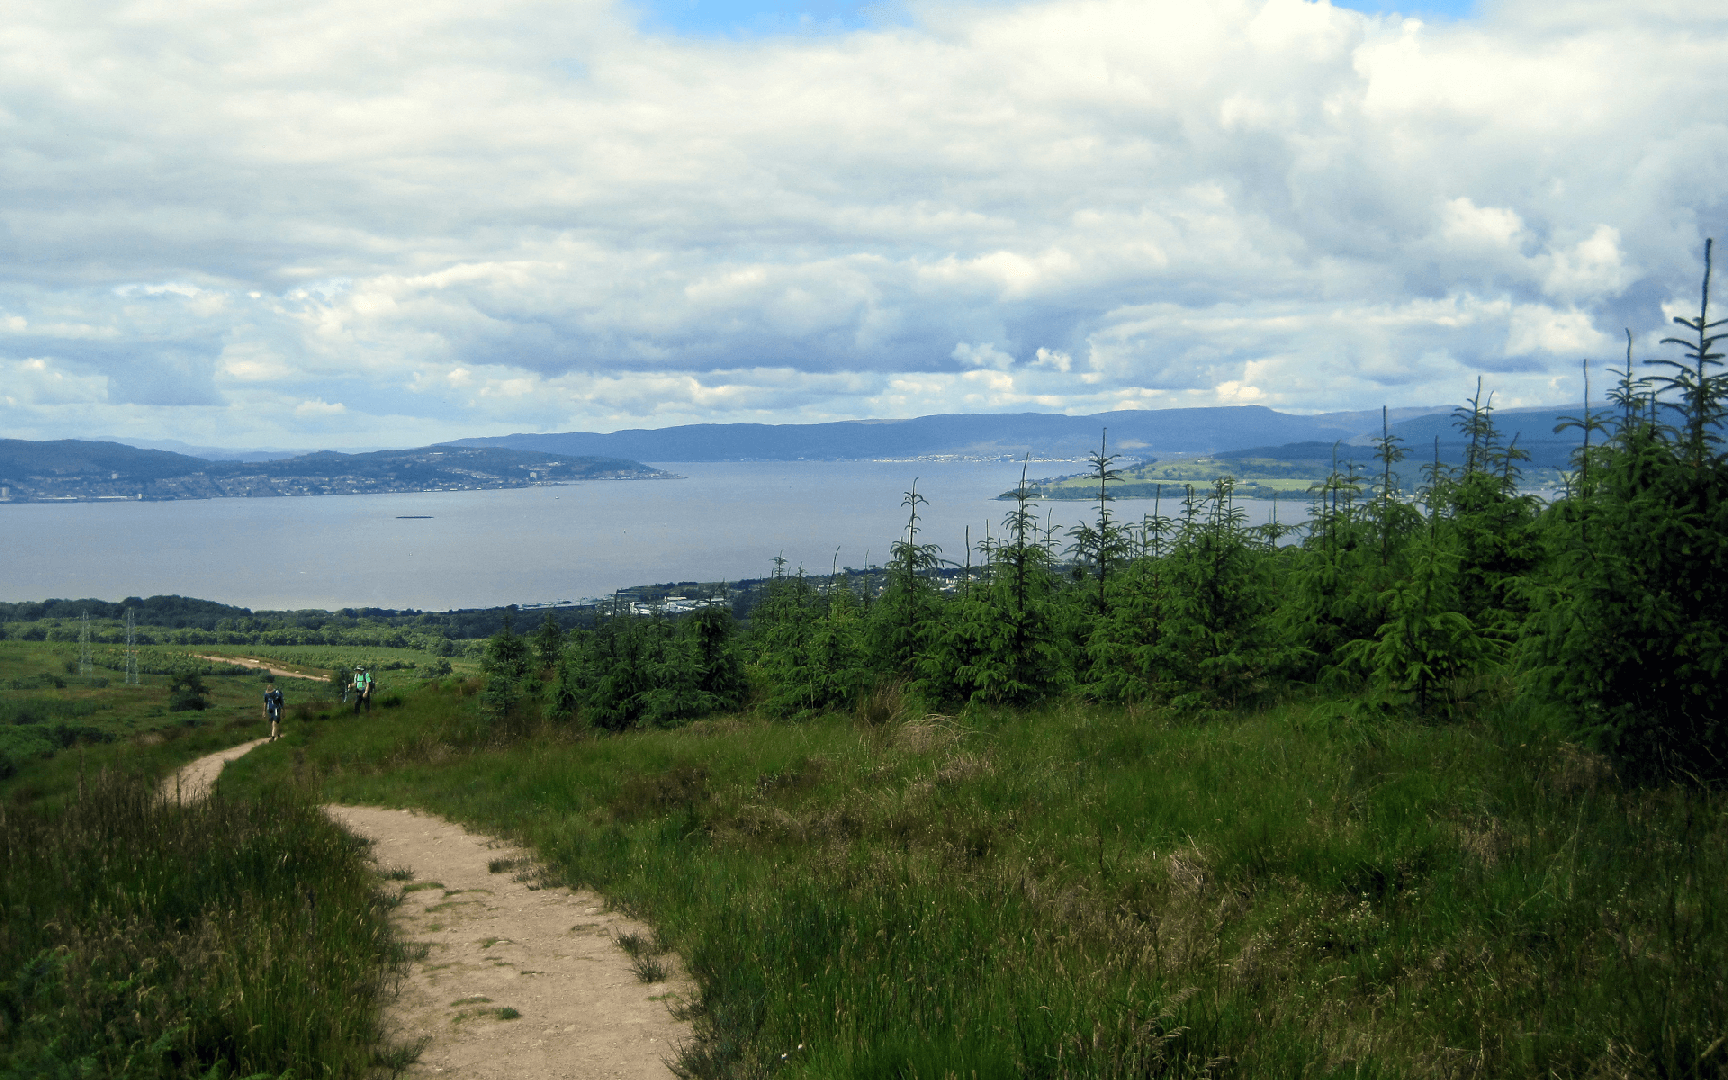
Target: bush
{"points": [[187, 692]]}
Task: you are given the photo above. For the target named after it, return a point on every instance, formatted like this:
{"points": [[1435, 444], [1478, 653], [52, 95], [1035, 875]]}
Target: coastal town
{"points": [[112, 472]]}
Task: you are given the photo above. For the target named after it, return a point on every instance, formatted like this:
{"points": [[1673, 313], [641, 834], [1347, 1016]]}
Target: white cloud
{"points": [[1470, 225], [1589, 269], [982, 355], [1537, 328], [455, 220], [1054, 359], [36, 381]]}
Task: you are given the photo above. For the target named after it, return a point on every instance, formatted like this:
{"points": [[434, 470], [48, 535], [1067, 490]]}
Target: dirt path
{"points": [[498, 944], [191, 783], [517, 980], [247, 661]]}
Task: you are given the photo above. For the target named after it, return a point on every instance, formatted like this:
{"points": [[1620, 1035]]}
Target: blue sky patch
{"points": [[736, 18]]}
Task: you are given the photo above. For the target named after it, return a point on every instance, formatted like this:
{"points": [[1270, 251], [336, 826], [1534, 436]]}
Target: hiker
{"points": [[362, 689], [273, 707]]}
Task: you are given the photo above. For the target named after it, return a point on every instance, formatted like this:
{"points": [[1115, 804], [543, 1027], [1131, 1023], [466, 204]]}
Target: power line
{"points": [[131, 651]]}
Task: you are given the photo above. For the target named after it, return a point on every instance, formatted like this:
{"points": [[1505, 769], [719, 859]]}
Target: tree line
{"points": [[1602, 608]]}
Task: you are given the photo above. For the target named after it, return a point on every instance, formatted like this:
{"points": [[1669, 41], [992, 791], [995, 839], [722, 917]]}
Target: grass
{"points": [[389, 664], [650, 969], [635, 945], [1099, 892], [56, 725], [47, 709], [229, 938], [644, 952]]}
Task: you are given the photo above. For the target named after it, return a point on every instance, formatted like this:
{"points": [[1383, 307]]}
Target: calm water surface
{"points": [[529, 545]]}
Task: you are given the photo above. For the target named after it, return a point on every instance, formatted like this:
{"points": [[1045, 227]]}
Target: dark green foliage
{"points": [[810, 646], [1333, 595], [507, 653], [1098, 546], [999, 643], [1630, 635], [710, 676], [187, 692], [506, 667], [1225, 595], [564, 695], [903, 620], [1634, 634], [1494, 526], [548, 642], [1426, 645], [648, 671], [614, 667]]}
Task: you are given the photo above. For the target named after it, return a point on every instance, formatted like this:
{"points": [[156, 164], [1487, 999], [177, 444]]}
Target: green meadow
{"points": [[1106, 891]]}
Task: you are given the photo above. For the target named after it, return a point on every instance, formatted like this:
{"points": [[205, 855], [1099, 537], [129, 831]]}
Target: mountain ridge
{"points": [[973, 435], [74, 470]]}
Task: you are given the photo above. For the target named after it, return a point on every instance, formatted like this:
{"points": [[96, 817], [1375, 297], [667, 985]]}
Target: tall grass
{"points": [[1091, 892], [143, 940]]}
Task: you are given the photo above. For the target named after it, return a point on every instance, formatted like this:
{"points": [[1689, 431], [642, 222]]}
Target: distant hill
{"points": [[1533, 428], [75, 470], [968, 435], [209, 453], [1291, 468], [21, 459]]}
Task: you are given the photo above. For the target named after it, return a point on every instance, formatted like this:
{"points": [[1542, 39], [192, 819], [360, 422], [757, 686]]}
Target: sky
{"points": [[347, 223]]}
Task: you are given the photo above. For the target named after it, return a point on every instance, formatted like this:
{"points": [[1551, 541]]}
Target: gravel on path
{"points": [[517, 979]]}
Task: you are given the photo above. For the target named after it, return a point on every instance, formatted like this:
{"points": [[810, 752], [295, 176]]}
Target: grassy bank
{"points": [[1100, 892], [228, 939], [56, 723]]}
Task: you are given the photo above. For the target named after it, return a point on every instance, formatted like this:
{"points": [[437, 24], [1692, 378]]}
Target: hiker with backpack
{"points": [[273, 707], [362, 689]]}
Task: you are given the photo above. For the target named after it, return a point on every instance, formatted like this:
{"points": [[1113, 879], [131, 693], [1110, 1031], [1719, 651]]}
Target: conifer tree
{"points": [[1496, 542], [1426, 645], [1100, 545], [997, 644], [1132, 653], [548, 642], [903, 619], [1631, 634], [505, 665], [1700, 389], [809, 647], [1332, 596]]}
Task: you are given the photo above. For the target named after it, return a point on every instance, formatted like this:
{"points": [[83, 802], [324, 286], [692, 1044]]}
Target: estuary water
{"points": [[443, 550]]}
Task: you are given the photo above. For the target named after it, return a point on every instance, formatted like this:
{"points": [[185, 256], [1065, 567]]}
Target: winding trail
{"points": [[261, 665], [191, 783], [517, 980]]}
